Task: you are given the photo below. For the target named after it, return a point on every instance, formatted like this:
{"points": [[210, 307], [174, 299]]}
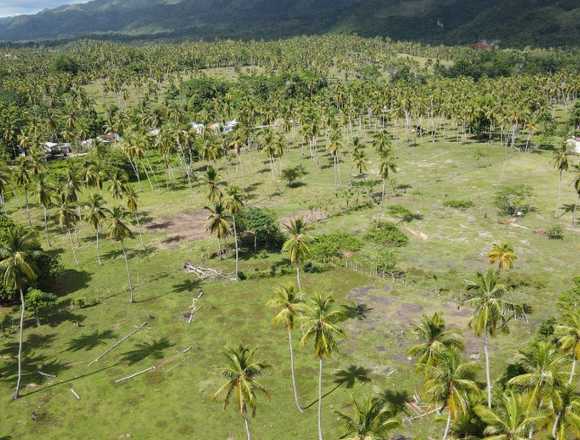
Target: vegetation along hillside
{"points": [[318, 237], [510, 22]]}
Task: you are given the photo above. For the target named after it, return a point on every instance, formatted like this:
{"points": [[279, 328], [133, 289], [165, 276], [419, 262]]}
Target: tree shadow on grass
{"points": [[33, 342], [69, 281], [91, 340], [396, 400], [136, 252], [188, 285], [31, 366], [145, 350], [61, 313], [356, 311]]}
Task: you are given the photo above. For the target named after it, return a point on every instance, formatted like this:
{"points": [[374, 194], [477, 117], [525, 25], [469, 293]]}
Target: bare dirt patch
{"points": [[309, 216], [183, 227]]}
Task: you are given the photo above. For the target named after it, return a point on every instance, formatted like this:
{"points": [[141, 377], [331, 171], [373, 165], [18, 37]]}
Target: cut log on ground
{"points": [[204, 273], [74, 393], [138, 373]]}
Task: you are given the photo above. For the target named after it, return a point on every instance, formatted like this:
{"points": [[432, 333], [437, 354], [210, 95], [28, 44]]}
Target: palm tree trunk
{"points": [[21, 332], [487, 370], [46, 225], [247, 426], [27, 207], [131, 299], [447, 426], [572, 370], [98, 253], [237, 247], [559, 194], [298, 281], [72, 246], [320, 401], [384, 189], [293, 374], [555, 426]]}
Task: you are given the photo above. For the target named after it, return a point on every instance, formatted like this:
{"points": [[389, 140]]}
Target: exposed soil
{"points": [[309, 216], [183, 227]]}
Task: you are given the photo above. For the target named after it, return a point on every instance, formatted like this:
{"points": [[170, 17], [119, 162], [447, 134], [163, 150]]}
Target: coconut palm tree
{"points": [[387, 166], [213, 183], [320, 325], [118, 186], [242, 373], [18, 271], [95, 213], [4, 182], [502, 254], [449, 383], [289, 305], [565, 405], [297, 245], [512, 421], [568, 336], [218, 223], [133, 206], [234, 202], [23, 178], [562, 164], [371, 420], [119, 232], [67, 218], [45, 193], [491, 313], [435, 341]]}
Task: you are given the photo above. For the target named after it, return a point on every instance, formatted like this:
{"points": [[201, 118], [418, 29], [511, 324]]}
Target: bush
{"points": [[403, 213], [291, 175], [555, 233], [514, 200], [259, 228], [327, 247], [387, 234], [459, 204], [382, 259], [39, 303]]}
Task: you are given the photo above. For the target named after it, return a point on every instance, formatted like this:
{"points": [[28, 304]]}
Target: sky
{"points": [[17, 7]]}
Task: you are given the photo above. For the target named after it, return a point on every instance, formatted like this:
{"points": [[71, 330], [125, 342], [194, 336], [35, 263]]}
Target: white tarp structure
{"points": [[574, 144]]}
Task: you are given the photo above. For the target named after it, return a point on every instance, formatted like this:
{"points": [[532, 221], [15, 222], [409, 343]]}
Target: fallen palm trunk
{"points": [[74, 393], [119, 342], [138, 373]]}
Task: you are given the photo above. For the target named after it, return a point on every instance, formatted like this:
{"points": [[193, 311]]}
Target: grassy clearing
{"points": [[446, 246]]}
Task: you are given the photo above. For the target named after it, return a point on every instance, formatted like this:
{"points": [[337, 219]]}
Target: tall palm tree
{"points": [[4, 182], [435, 341], [491, 313], [387, 165], [512, 421], [218, 223], [18, 271], [320, 325], [503, 254], [23, 178], [562, 164], [95, 213], [289, 305], [234, 202], [213, 184], [45, 193], [568, 336], [242, 373], [449, 383], [565, 403], [133, 208], [297, 245], [67, 218], [371, 420], [118, 184], [119, 232]]}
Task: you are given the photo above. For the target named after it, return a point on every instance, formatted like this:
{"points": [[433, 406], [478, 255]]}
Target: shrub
{"points": [[259, 228], [459, 204], [382, 260], [555, 233], [325, 248], [403, 213], [291, 175], [514, 200], [387, 234], [39, 303]]}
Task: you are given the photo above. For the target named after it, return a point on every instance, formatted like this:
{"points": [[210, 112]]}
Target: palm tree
{"points": [[371, 420], [449, 383], [511, 422], [118, 184], [435, 341], [490, 313], [133, 207], [234, 202], [242, 374], [568, 336], [320, 324], [218, 223], [22, 177], [119, 232], [45, 194], [18, 271], [95, 213], [502, 254], [566, 412], [213, 184], [67, 218], [4, 182], [387, 166], [297, 245], [289, 304], [561, 164]]}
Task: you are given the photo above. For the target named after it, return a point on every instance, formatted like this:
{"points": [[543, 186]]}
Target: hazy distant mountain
{"points": [[537, 22]]}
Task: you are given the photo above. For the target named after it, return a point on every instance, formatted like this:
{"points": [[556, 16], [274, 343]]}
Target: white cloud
{"points": [[17, 7]]}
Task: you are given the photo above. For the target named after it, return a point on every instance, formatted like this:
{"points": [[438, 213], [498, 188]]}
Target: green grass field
{"points": [[446, 247]]}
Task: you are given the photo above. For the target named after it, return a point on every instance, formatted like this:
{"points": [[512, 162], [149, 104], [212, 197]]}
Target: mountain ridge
{"points": [[513, 22]]}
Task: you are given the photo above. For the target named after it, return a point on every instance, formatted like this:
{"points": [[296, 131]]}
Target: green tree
{"points": [[387, 166], [23, 178], [120, 232], [45, 194], [562, 164], [491, 313], [234, 202], [39, 303], [18, 272], [242, 373], [289, 305], [296, 246], [218, 224], [67, 218], [321, 325], [568, 336], [95, 213], [371, 420], [503, 255]]}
